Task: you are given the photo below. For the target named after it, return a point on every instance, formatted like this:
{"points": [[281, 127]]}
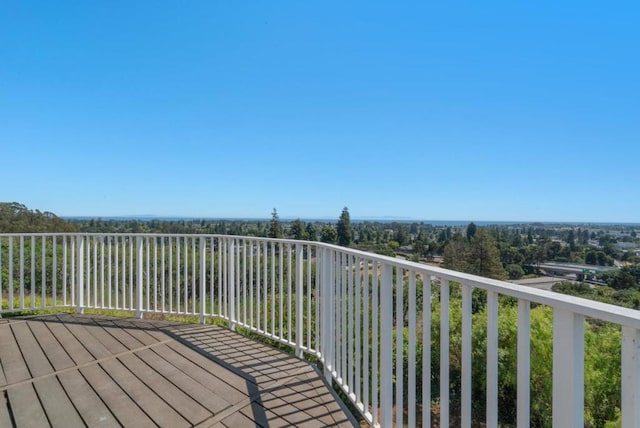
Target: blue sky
{"points": [[424, 110]]}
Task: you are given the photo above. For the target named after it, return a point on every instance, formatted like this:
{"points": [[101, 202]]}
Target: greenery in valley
{"points": [[602, 363]]}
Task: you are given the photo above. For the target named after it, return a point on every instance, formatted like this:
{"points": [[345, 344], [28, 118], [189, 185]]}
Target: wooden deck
{"points": [[80, 370]]}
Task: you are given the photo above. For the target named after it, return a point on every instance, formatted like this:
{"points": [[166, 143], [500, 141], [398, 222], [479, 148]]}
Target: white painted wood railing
{"points": [[364, 317]]}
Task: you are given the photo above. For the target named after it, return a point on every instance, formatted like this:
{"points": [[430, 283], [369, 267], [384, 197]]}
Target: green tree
{"points": [[480, 256], [329, 234], [298, 230], [455, 253], [312, 232], [471, 230], [603, 259], [514, 271], [517, 241], [17, 218], [275, 228], [510, 255], [529, 236], [627, 277], [571, 240], [484, 257], [421, 245], [343, 231], [400, 235]]}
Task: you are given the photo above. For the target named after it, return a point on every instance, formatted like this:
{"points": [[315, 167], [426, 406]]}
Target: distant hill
{"points": [[17, 218]]}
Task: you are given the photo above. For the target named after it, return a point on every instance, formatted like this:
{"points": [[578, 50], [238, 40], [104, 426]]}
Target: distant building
{"points": [[625, 246], [573, 271]]}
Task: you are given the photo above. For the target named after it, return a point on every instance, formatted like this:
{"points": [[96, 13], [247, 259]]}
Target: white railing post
{"points": [[386, 346], [630, 377], [524, 364], [465, 395], [11, 285], [21, 272], [33, 272], [80, 274], [203, 278], [326, 332], [568, 369], [413, 324], [444, 353], [231, 279], [299, 295], [139, 276], [341, 320], [492, 360], [399, 330], [426, 351], [43, 291]]}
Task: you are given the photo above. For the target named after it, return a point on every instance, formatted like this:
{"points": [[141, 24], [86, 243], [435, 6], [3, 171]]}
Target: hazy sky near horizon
{"points": [[494, 110]]}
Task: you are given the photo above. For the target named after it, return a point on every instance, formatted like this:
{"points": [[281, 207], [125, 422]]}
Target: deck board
{"points": [[59, 409], [58, 357], [26, 407], [91, 408], [176, 398], [211, 400], [3, 380], [218, 372], [116, 340], [129, 335], [123, 408], [37, 362], [68, 370], [5, 418], [14, 367], [143, 395], [110, 343], [76, 350], [217, 385], [95, 348]]}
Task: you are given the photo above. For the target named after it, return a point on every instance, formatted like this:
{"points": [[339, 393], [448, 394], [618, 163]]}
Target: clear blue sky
{"points": [[477, 110]]}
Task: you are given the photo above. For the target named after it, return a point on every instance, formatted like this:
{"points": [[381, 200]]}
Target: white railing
{"points": [[364, 317]]}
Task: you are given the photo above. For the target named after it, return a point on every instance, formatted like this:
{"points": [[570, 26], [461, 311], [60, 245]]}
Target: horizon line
{"points": [[399, 219]]}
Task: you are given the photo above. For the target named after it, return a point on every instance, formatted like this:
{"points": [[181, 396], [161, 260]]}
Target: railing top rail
{"points": [[588, 308]]}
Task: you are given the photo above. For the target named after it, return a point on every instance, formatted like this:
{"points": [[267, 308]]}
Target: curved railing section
{"points": [[378, 326]]}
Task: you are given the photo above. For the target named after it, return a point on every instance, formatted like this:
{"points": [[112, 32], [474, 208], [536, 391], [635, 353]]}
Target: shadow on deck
{"points": [[68, 370]]}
